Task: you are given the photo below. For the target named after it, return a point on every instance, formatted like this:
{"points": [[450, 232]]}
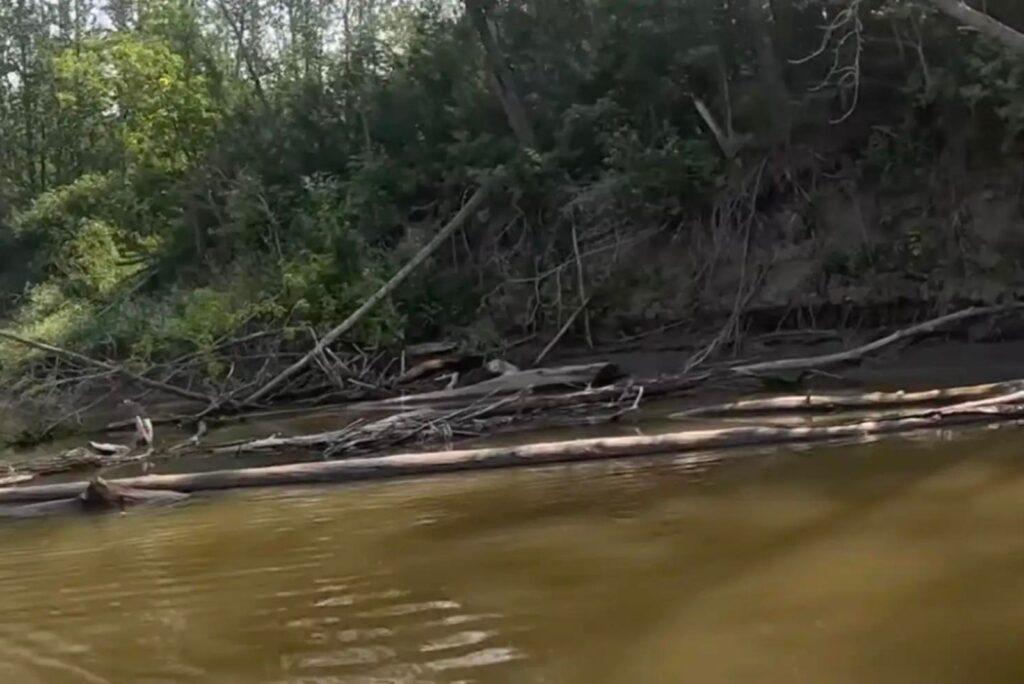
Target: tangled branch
{"points": [[844, 36]]}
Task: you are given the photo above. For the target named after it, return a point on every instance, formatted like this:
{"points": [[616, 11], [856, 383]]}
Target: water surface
{"points": [[897, 561]]}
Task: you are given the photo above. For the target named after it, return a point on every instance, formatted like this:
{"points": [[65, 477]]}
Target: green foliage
{"points": [[206, 166], [139, 90], [93, 260]]}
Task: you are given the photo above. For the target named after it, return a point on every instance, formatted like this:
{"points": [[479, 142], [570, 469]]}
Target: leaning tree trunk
{"points": [[500, 76]]}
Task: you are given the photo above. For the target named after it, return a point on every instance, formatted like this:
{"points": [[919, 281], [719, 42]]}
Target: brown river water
{"points": [[897, 561]]}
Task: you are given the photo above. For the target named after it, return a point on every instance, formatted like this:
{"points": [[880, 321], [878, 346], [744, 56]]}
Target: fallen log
{"points": [[401, 465], [846, 401], [98, 496]]}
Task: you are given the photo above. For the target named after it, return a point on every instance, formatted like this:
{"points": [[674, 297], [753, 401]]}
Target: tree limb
{"points": [[983, 23]]}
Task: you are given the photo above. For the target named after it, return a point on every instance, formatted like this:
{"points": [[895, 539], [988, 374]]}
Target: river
{"points": [[892, 561]]}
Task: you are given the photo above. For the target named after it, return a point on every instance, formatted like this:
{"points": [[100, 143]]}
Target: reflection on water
{"points": [[899, 561]]}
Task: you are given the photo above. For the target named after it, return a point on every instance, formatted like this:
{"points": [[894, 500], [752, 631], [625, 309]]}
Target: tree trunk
{"points": [[500, 76], [770, 70]]}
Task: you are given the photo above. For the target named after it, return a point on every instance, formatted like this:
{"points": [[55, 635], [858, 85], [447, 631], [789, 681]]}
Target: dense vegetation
{"points": [[177, 172]]}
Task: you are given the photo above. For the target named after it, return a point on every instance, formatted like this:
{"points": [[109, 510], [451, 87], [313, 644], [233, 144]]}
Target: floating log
{"points": [[400, 465]]}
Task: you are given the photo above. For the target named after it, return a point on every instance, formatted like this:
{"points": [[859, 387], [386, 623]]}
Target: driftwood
{"points": [[833, 402], [518, 381], [467, 210], [98, 496], [79, 458], [14, 479], [400, 465], [434, 426], [518, 403]]}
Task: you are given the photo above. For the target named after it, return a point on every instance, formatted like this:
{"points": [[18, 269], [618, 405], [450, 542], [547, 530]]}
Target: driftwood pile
{"points": [[575, 395]]}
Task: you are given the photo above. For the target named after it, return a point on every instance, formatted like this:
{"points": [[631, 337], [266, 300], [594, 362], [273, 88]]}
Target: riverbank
{"points": [[605, 409]]}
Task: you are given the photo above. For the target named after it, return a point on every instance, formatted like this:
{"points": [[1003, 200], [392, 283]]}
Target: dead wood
{"points": [[858, 353], [436, 426], [399, 465], [834, 402], [517, 381], [14, 479]]}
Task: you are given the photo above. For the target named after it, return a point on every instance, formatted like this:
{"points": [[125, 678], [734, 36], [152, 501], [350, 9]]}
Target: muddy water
{"points": [[898, 561]]}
